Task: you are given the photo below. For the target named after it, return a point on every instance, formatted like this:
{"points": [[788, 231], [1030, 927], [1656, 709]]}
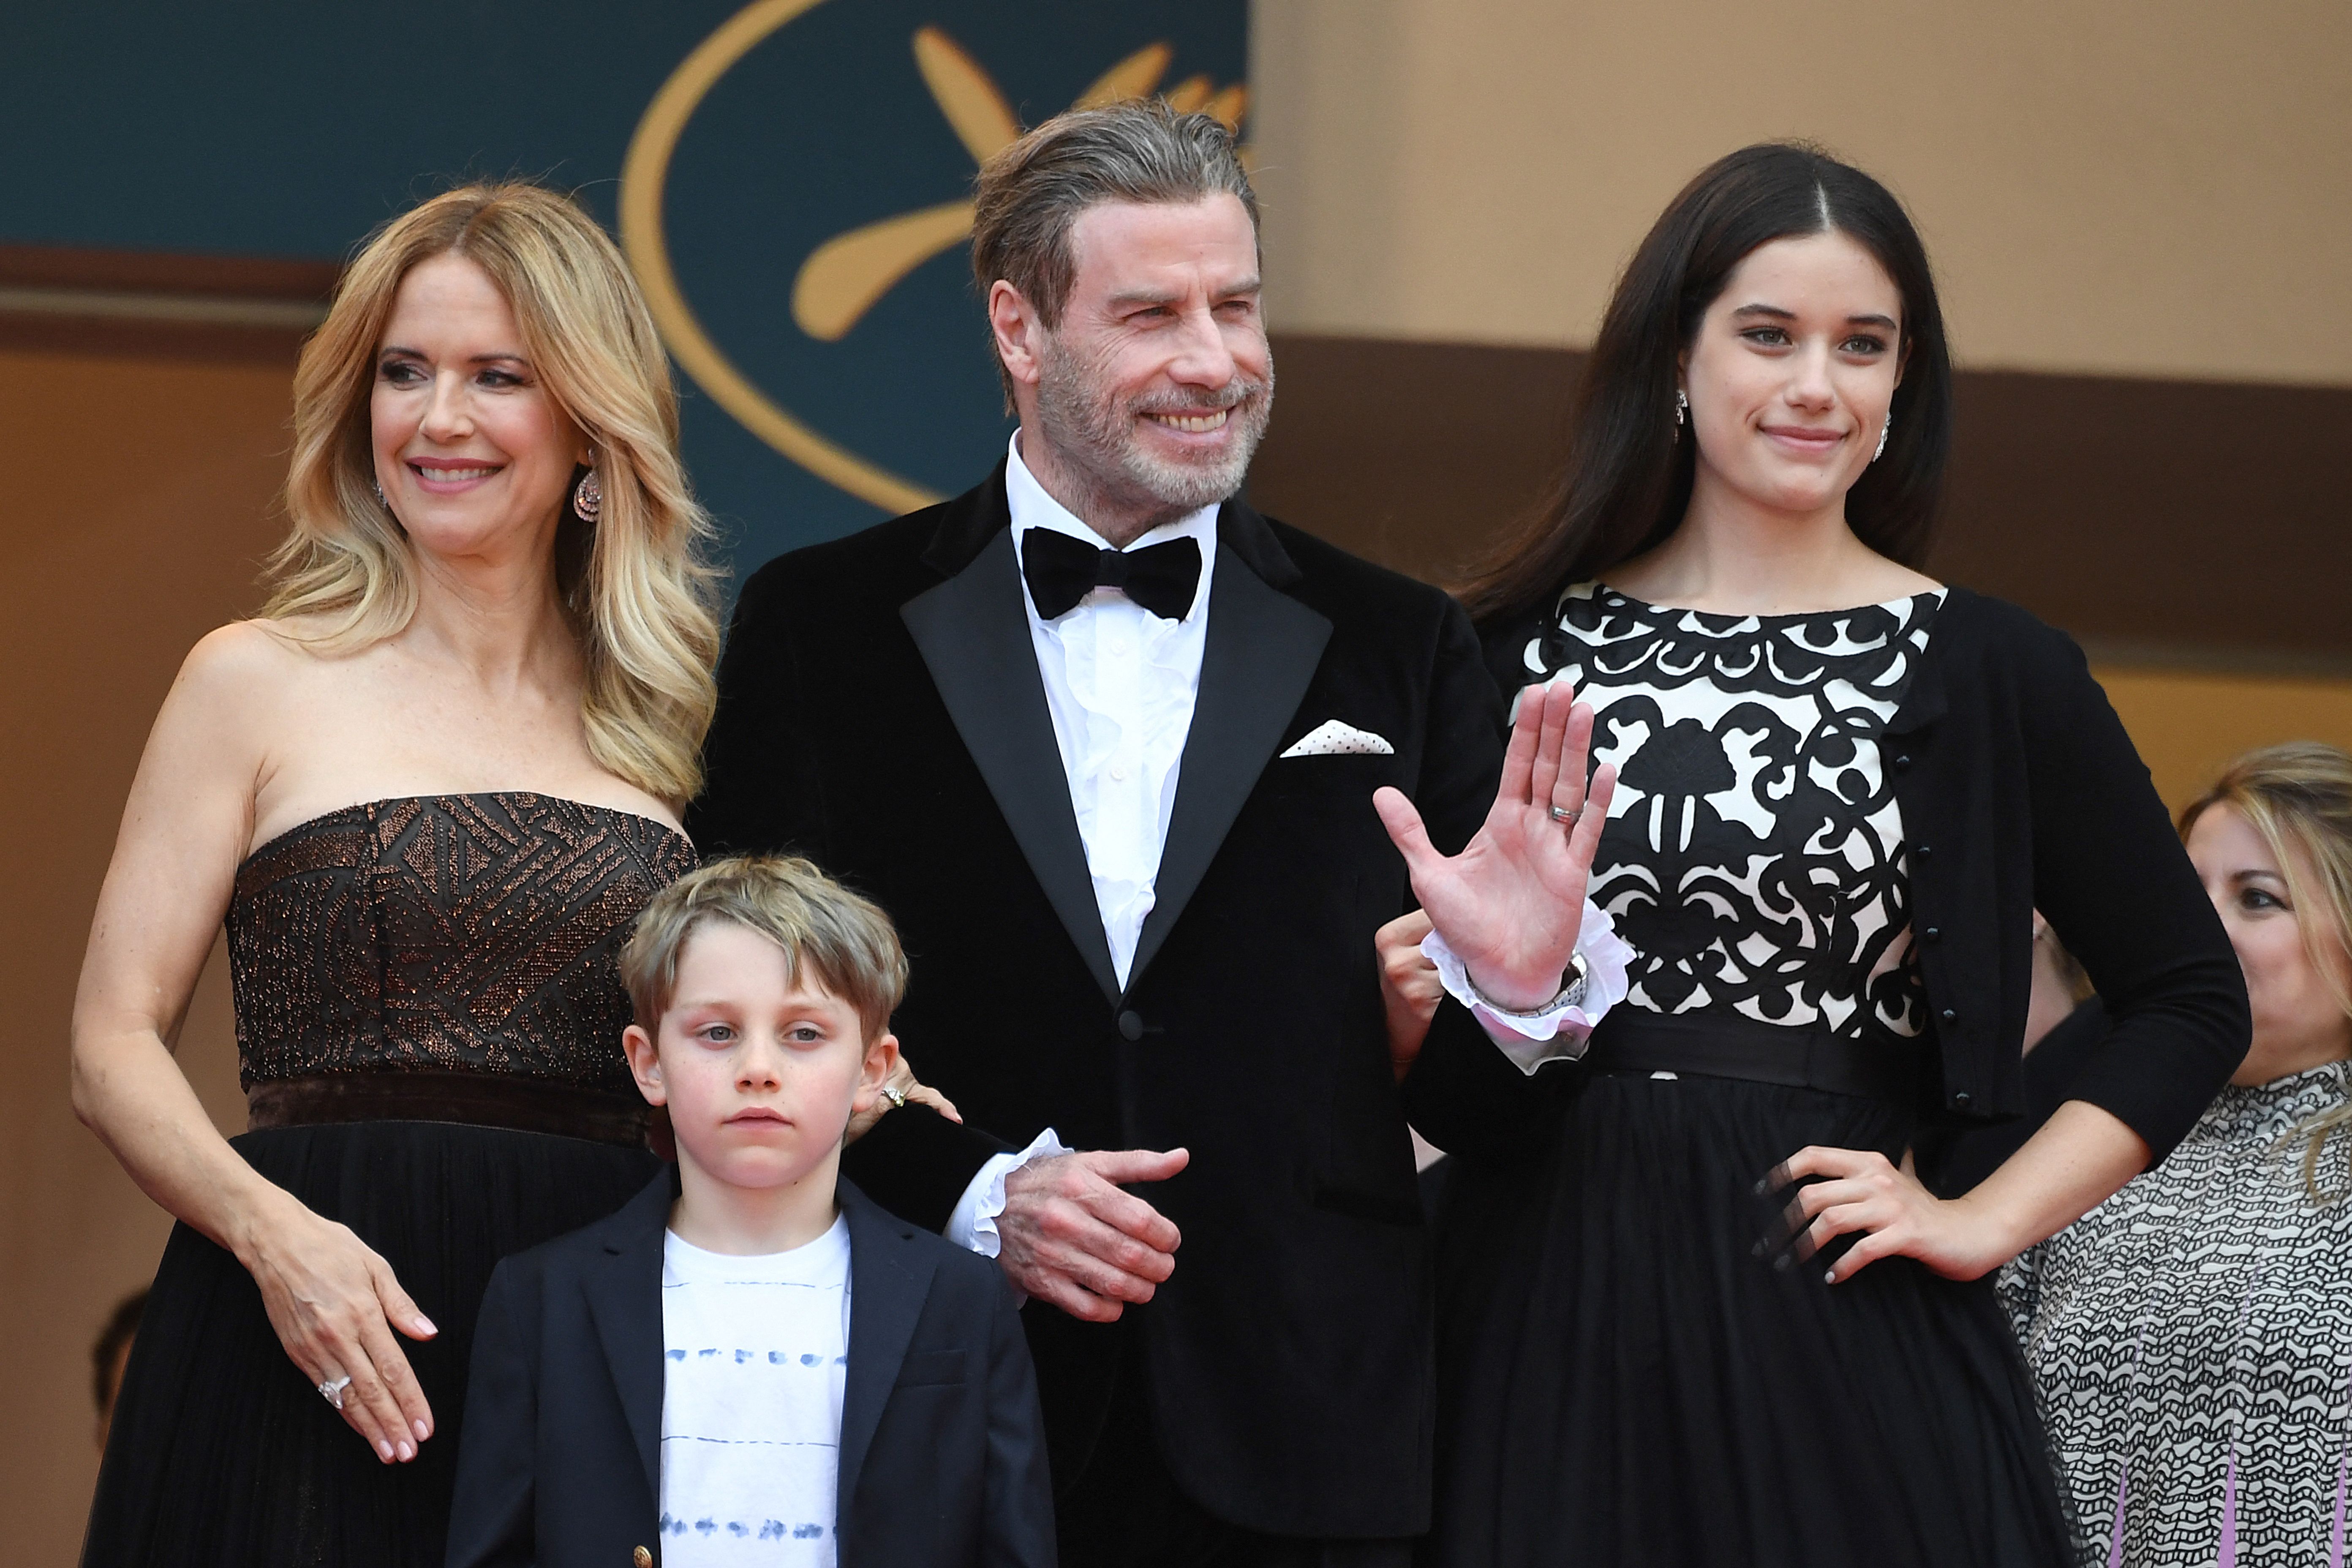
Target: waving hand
{"points": [[1511, 904]]}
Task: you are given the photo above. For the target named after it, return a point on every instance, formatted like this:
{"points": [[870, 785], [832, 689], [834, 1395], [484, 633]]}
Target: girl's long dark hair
{"points": [[1628, 480]]}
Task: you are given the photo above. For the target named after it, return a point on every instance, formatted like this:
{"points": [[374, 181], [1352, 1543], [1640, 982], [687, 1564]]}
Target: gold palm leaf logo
{"points": [[844, 277]]}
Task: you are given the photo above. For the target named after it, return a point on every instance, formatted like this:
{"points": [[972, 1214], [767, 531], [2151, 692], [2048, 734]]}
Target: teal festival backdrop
{"points": [[789, 179]]}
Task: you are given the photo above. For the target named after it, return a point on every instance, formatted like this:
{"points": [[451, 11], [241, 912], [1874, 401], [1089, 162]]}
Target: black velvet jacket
{"points": [[2020, 791], [880, 709], [942, 1451]]}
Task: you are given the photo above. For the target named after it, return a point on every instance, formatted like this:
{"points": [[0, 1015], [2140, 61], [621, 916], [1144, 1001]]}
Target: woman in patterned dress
{"points": [[1694, 1307], [2191, 1337], [428, 789]]}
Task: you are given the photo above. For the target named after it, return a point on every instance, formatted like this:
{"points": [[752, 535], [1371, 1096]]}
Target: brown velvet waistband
{"points": [[474, 1100]]}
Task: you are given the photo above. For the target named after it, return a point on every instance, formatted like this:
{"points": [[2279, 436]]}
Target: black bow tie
{"points": [[1062, 571]]}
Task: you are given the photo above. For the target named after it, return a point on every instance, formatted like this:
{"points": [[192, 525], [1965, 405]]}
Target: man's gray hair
{"points": [[1029, 195]]}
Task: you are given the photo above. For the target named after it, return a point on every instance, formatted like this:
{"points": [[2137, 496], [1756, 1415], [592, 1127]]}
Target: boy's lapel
{"points": [[888, 1281], [625, 1299]]}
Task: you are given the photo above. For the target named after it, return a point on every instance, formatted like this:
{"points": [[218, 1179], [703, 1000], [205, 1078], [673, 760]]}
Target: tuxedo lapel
{"points": [[624, 1299], [1262, 650], [888, 1282], [973, 633]]}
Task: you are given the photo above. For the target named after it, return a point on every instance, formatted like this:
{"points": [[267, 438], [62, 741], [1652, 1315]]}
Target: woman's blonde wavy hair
{"points": [[640, 594], [2298, 799]]}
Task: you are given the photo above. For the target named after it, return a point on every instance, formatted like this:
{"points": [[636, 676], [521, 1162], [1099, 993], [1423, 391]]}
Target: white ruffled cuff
{"points": [[1557, 1033], [973, 1225]]}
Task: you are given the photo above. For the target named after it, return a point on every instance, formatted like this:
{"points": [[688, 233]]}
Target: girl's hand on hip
{"points": [[1860, 1192]]}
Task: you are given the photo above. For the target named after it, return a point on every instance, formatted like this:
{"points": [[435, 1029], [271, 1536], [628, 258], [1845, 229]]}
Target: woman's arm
{"points": [[2110, 875], [185, 829], [2076, 1161]]}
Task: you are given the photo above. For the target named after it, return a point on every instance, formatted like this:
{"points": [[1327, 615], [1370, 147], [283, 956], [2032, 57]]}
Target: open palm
{"points": [[1511, 904]]}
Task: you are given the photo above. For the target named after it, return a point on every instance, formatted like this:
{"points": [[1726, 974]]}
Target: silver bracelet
{"points": [[1568, 996]]}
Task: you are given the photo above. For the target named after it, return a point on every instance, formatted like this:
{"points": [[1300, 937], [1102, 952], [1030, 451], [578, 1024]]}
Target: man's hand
{"points": [[1512, 903], [1410, 988], [1071, 1238]]}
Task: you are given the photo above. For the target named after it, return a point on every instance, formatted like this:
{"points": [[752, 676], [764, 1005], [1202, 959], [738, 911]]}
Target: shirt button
{"points": [[1934, 934], [1962, 1100], [1903, 761], [1951, 1015], [1119, 646], [1131, 1025], [1119, 772], [1923, 851]]}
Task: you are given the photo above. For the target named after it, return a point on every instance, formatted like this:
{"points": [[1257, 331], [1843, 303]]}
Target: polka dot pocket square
{"points": [[1333, 738]]}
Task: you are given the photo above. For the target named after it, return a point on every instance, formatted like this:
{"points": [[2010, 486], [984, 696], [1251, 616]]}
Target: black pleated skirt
{"points": [[1623, 1380], [221, 1451]]}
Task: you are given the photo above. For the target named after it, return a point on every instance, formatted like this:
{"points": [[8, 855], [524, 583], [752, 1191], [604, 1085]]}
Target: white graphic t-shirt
{"points": [[756, 1358]]}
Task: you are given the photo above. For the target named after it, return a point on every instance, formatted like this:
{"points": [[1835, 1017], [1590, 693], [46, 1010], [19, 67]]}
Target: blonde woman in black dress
{"points": [[1696, 1308], [428, 789]]}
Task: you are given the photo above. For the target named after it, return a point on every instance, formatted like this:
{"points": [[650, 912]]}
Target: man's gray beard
{"points": [[1092, 436]]}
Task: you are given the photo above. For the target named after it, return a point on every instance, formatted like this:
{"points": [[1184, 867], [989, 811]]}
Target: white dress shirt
{"points": [[1120, 683]]}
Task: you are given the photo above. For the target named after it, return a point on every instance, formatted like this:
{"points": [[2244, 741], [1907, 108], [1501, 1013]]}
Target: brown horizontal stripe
{"points": [[158, 272], [2195, 522]]}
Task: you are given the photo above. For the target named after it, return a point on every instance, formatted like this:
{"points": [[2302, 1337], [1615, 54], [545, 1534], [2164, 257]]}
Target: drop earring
{"points": [[379, 494], [1682, 411], [587, 497], [1882, 430]]}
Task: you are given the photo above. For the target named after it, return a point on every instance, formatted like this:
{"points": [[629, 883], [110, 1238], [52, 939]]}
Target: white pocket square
{"points": [[1333, 738]]}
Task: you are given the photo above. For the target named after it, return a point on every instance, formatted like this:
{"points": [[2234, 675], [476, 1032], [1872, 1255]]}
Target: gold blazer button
{"points": [[642, 1558]]}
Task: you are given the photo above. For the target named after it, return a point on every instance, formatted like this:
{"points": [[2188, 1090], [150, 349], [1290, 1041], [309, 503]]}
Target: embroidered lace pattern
{"points": [[1754, 856], [473, 933]]}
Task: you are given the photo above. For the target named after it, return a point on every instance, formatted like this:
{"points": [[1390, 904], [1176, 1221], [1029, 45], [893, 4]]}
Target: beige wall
{"points": [[2142, 187], [133, 502]]}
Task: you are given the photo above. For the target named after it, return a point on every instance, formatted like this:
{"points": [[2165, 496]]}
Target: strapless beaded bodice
{"points": [[459, 933]]}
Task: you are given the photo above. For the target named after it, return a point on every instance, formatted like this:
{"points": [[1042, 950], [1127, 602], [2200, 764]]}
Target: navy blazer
{"points": [[943, 1449]]}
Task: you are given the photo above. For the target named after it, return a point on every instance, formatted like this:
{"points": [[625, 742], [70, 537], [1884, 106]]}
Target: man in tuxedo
{"points": [[1104, 742]]}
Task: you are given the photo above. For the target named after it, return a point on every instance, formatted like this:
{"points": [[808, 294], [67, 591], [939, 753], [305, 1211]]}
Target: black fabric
{"points": [[1125, 1508], [222, 1453], [1625, 1381], [942, 1457], [1163, 578], [1954, 1160], [880, 709], [2019, 790]]}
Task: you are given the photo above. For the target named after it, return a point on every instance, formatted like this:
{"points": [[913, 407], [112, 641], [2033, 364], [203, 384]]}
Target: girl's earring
{"points": [[1682, 411], [588, 497], [1882, 430], [379, 495]]}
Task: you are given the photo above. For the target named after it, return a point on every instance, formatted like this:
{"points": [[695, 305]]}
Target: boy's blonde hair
{"points": [[844, 941]]}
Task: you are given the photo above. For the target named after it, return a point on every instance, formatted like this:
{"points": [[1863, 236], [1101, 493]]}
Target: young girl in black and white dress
{"points": [[1695, 1307]]}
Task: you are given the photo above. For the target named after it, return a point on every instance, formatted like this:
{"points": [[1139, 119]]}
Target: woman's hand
{"points": [[1865, 1193], [335, 1303], [902, 1081], [1410, 988], [1512, 903]]}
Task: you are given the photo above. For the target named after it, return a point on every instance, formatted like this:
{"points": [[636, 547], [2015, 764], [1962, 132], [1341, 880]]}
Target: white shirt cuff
{"points": [[973, 1225], [1559, 1033]]}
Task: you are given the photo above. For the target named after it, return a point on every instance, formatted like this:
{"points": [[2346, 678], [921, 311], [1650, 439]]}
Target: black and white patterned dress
{"points": [[2191, 1337], [1623, 1379]]}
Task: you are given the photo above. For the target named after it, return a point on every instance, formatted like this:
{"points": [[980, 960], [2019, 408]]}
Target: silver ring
{"points": [[1560, 814], [896, 1097], [331, 1390]]}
